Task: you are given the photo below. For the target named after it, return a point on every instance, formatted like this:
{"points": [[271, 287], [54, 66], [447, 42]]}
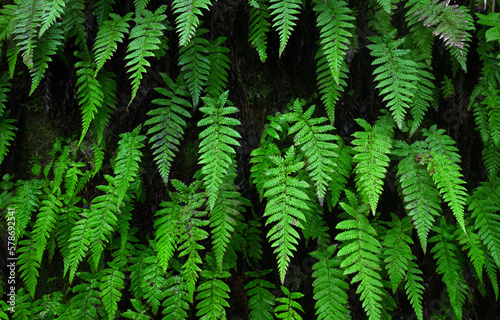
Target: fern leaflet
{"points": [[110, 284], [219, 66], [284, 14], [287, 305], [175, 303], [187, 21], [261, 301], [258, 28], [45, 223], [86, 303], [153, 283], [28, 264]]}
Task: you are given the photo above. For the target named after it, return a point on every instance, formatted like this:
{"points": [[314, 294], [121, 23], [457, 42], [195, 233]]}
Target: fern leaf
{"points": [[219, 66], [492, 272], [420, 34], [188, 20], [89, 93], [423, 95], [415, 289], [334, 20], [6, 134], [175, 303], [28, 264], [144, 39], [285, 14], [45, 223], [258, 28], [420, 195], [315, 140], [86, 303], [74, 23], [27, 200], [168, 123], [28, 18], [471, 242], [46, 46], [360, 250], [212, 293], [261, 301], [372, 147], [343, 164], [395, 74], [68, 217], [446, 253], [153, 283], [52, 11], [287, 307], [167, 231], [110, 285], [102, 10], [7, 23], [252, 245], [216, 143], [4, 93], [194, 64], [286, 207], [128, 158], [110, 33], [101, 117], [79, 243], [330, 286]]}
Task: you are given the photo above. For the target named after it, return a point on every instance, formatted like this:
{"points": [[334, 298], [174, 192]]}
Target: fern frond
{"points": [[423, 95], [89, 93], [45, 223], [258, 27], [102, 10], [168, 123], [447, 88], [287, 307], [420, 195], [484, 205], [26, 201], [68, 217], [7, 22], [110, 33], [194, 64], [28, 264], [360, 250], [111, 283], [153, 283], [334, 20], [343, 165], [471, 242], [329, 286], [395, 74], [285, 14], [144, 39], [415, 289], [446, 253], [372, 147], [23, 306], [167, 231], [261, 301], [86, 304], [286, 207], [101, 117], [175, 303], [128, 158], [79, 243], [316, 142], [212, 292], [420, 34], [6, 133], [74, 23], [492, 272], [27, 20], [219, 66], [52, 10], [188, 20], [217, 141], [4, 93]]}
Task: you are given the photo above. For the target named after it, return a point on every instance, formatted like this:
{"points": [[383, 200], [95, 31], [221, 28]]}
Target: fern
{"points": [[28, 264], [187, 21], [195, 65], [286, 207], [447, 89], [343, 164], [216, 143], [212, 292], [261, 301], [74, 23], [394, 74], [86, 303], [144, 39], [175, 303], [110, 33], [26, 201], [219, 66], [360, 250], [102, 10], [258, 27], [372, 147], [415, 289], [471, 242], [421, 35], [6, 133], [447, 256], [45, 223], [28, 18], [52, 11], [311, 135], [284, 14], [424, 93], [287, 309], [330, 285], [110, 284], [153, 283]]}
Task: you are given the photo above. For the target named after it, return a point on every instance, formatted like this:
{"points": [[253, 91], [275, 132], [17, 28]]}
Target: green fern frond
{"points": [[175, 304], [471, 242], [153, 283], [492, 105], [78, 245], [447, 88], [4, 93], [144, 39], [27, 21], [194, 64], [316, 142], [213, 292], [68, 217], [261, 301], [360, 250], [421, 35], [52, 10], [217, 141], [285, 13], [111, 283], [420, 195], [219, 67], [447, 254], [110, 33], [484, 205], [128, 158], [86, 304], [372, 147], [258, 27], [287, 306], [7, 22], [395, 74], [74, 23], [28, 264], [424, 93], [6, 133], [285, 206], [492, 272], [334, 20], [167, 231], [22, 310], [329, 286], [45, 223], [415, 289], [26, 201], [188, 20], [343, 165], [89, 93], [102, 10], [103, 114]]}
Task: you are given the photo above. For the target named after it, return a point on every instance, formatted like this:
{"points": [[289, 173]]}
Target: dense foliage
{"points": [[197, 159]]}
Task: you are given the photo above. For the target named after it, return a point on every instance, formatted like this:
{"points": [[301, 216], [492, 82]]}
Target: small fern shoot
{"points": [[287, 307]]}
